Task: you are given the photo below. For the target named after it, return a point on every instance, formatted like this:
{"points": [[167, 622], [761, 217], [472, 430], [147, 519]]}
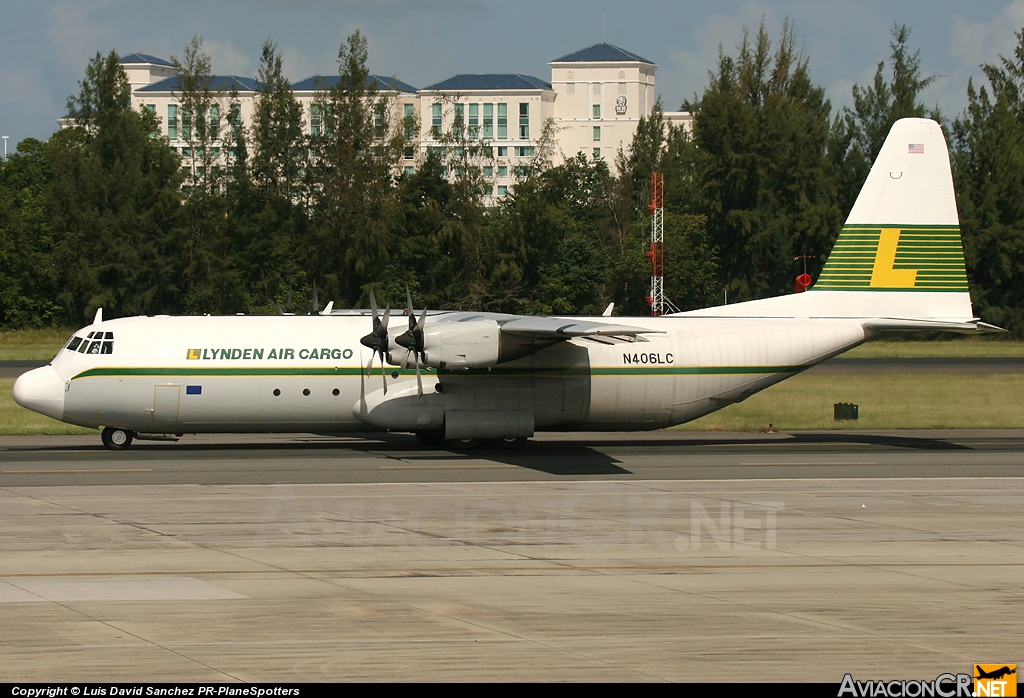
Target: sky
{"points": [[47, 43]]}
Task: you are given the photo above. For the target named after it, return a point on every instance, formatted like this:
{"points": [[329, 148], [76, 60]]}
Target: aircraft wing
{"points": [[556, 329]]}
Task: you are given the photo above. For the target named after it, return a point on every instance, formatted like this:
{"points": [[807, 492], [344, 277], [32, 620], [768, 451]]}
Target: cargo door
{"points": [[166, 399]]}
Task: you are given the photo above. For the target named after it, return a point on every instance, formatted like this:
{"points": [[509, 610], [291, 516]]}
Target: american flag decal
{"points": [[915, 148]]}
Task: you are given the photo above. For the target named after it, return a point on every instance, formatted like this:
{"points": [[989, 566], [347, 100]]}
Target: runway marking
{"points": [[556, 564], [447, 467], [77, 470], [760, 444], [863, 462]]}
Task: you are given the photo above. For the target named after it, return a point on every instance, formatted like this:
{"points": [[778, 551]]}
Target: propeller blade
{"points": [[316, 300], [383, 377], [280, 311], [373, 309], [419, 381], [288, 302]]}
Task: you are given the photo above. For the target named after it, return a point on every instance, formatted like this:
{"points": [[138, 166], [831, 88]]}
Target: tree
{"points": [[211, 274], [988, 167], [353, 163], [113, 201], [859, 133], [30, 251], [761, 136]]}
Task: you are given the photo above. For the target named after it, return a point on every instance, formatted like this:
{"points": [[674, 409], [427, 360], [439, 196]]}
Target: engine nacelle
{"points": [[467, 344]]}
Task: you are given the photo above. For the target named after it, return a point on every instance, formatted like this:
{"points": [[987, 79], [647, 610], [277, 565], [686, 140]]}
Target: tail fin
{"points": [[903, 233], [898, 263], [900, 255]]}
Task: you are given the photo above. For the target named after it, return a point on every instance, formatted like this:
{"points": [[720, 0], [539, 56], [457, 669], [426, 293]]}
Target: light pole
{"points": [[5, 146]]}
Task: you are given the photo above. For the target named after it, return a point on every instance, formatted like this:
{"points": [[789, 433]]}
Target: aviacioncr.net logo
{"points": [[943, 686]]}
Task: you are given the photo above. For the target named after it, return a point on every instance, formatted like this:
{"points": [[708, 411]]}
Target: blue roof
{"points": [[144, 58], [600, 53], [217, 82], [326, 82], [509, 81]]}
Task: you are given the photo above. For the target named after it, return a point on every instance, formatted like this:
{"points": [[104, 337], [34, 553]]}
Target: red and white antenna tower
{"points": [[657, 252]]}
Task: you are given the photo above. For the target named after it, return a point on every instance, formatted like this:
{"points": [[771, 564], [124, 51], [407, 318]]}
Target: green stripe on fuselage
{"points": [[497, 371]]}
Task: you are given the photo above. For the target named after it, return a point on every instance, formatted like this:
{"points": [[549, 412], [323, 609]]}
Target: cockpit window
{"points": [[93, 343]]}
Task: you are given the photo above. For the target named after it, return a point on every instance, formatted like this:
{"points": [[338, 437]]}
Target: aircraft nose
{"points": [[41, 390]]}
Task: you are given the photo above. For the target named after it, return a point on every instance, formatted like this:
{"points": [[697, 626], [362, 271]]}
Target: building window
{"points": [[186, 124], [502, 151], [474, 121], [314, 119], [524, 120], [597, 153], [435, 121], [597, 133], [502, 121], [488, 171], [172, 121], [236, 119], [215, 122], [409, 153], [488, 121], [503, 170], [570, 88], [459, 121], [622, 88], [597, 111], [502, 190], [409, 170], [524, 151], [410, 121], [378, 120]]}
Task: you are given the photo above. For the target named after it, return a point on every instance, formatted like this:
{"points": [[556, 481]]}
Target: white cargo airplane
{"points": [[897, 266]]}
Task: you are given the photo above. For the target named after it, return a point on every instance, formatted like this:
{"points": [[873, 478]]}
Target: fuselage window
{"points": [[108, 347], [73, 344], [94, 348], [82, 347]]}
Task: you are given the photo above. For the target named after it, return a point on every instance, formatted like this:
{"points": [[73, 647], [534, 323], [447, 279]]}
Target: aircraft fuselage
{"points": [[308, 373]]}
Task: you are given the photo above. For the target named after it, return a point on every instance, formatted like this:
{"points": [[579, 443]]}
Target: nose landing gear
{"points": [[117, 439]]}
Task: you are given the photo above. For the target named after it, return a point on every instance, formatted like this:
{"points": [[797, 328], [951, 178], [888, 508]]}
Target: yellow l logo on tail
{"points": [[882, 274]]}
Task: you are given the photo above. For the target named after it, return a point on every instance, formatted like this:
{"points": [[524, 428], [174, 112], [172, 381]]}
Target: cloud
{"points": [[228, 59], [77, 31]]}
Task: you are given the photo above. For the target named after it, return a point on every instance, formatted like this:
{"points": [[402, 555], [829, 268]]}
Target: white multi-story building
{"points": [[592, 105]]}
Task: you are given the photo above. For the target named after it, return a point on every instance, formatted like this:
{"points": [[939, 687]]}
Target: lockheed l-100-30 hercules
{"points": [[898, 265]]}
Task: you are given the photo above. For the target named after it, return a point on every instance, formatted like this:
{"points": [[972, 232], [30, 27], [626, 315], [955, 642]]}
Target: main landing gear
{"points": [[117, 439], [435, 439]]}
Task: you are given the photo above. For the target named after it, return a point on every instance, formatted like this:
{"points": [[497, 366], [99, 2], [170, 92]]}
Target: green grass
{"points": [[887, 401], [973, 348], [32, 345]]}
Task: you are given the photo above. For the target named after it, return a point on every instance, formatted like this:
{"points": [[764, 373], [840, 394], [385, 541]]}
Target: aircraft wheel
{"points": [[510, 444], [431, 439], [116, 439]]}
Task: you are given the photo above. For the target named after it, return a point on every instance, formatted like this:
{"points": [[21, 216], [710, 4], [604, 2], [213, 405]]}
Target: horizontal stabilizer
{"points": [[917, 325]]}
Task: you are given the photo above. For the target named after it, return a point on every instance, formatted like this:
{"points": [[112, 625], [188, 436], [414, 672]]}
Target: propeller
{"points": [[412, 339], [316, 300], [377, 340]]}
